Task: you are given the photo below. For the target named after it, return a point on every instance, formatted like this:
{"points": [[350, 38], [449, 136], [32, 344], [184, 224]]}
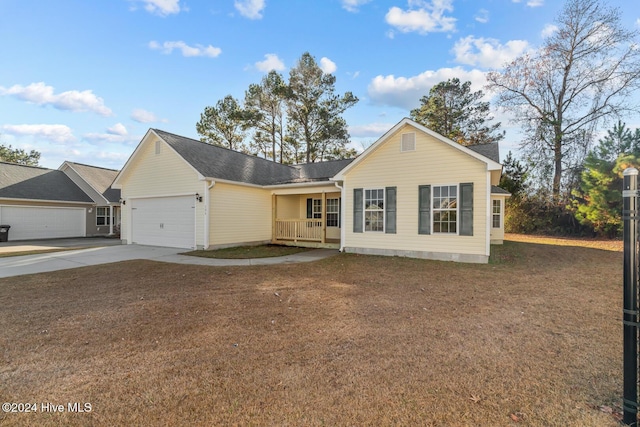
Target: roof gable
{"points": [[216, 162], [485, 153], [36, 183], [99, 179]]}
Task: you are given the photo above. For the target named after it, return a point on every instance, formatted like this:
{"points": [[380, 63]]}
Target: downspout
{"points": [[488, 216], [342, 204], [207, 224]]}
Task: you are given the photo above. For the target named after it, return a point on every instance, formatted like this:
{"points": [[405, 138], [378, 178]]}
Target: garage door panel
{"points": [[35, 222], [164, 221]]}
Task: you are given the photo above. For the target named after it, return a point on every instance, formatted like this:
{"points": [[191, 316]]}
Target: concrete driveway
{"points": [[46, 244], [30, 264]]}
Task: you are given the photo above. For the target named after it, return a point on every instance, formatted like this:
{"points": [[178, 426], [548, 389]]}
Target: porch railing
{"points": [[299, 229]]}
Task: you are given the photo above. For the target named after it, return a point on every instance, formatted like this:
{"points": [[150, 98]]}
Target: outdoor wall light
{"points": [[198, 197], [123, 201]]}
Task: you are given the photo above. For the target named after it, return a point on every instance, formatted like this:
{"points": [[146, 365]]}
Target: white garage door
{"points": [[34, 222], [164, 221]]}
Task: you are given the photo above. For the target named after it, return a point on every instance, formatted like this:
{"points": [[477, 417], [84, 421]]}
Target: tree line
{"points": [[581, 79], [294, 121]]}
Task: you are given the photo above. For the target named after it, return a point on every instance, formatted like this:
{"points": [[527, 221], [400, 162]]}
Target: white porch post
{"points": [[324, 217], [111, 218]]}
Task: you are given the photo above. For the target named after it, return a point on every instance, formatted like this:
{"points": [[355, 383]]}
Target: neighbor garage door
{"points": [[34, 222], [164, 221]]}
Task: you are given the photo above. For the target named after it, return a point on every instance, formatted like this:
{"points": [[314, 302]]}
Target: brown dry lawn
{"points": [[532, 339]]}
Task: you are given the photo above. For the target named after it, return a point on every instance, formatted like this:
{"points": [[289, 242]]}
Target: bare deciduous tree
{"points": [[583, 75]]}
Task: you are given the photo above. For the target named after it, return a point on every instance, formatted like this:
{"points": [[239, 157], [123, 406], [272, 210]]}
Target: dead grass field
{"points": [[532, 339]]}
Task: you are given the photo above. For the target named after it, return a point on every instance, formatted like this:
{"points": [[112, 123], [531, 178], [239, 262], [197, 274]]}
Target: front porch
{"points": [[307, 220]]}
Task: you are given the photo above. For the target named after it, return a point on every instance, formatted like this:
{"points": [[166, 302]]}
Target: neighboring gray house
{"points": [[96, 183], [73, 201]]}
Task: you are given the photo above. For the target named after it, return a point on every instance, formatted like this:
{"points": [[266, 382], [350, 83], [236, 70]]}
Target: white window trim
{"points": [[440, 233], [313, 208], [494, 214], [106, 216], [364, 209], [337, 212]]}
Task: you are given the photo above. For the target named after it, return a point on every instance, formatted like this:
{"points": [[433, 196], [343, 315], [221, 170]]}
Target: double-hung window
{"points": [[333, 212], [102, 216], [374, 210], [317, 208], [496, 210], [445, 209]]}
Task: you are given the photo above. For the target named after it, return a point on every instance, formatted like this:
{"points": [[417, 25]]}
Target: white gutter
{"points": [[342, 217]]}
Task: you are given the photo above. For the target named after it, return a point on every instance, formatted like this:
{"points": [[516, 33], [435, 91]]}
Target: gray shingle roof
{"points": [[321, 170], [30, 182], [100, 179], [213, 161], [497, 190], [490, 151]]}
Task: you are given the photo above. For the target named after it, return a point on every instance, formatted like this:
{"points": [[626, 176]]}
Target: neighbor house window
{"points": [[445, 209], [102, 216], [496, 213], [374, 210], [333, 212]]}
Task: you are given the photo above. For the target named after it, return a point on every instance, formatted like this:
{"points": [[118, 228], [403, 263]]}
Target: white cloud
{"points": [[482, 16], [405, 92], [369, 130], [271, 62], [531, 3], [251, 9], [143, 116], [55, 133], [353, 5], [188, 51], [486, 52], [117, 129], [638, 22], [426, 17], [327, 65], [116, 134], [72, 100], [548, 30], [162, 7]]}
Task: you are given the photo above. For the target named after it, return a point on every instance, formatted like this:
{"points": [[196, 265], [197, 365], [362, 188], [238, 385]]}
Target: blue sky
{"points": [[83, 80]]}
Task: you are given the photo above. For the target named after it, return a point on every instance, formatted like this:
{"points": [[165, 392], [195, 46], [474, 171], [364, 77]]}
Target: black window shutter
{"points": [[309, 208], [357, 210], [390, 210], [424, 209], [466, 209]]}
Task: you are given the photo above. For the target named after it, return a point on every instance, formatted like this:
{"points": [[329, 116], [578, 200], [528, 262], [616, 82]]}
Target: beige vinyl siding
{"points": [[288, 207], [432, 163], [157, 175], [239, 214]]}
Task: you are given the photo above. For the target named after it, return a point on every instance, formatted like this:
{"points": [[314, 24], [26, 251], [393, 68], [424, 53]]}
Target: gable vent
{"points": [[408, 142], [158, 146]]}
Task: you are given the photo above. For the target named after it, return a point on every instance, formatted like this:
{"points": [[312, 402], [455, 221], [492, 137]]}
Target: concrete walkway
{"points": [[30, 264]]}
